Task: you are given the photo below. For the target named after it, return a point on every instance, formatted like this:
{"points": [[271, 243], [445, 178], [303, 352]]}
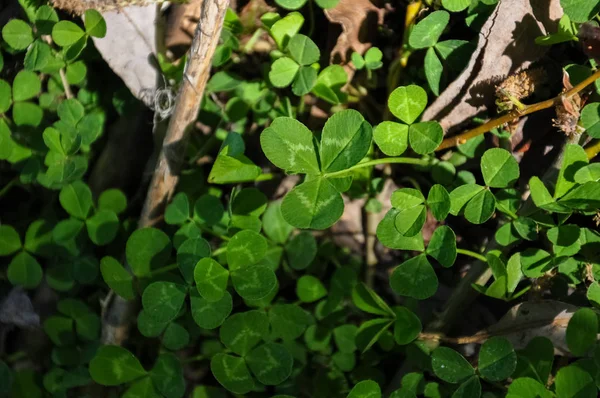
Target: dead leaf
{"points": [[359, 20], [129, 48], [530, 319], [505, 46], [17, 310], [181, 22]]}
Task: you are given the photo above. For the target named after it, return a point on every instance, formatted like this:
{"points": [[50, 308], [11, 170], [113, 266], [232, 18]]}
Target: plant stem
{"points": [[219, 251], [65, 83], [515, 114], [8, 186], [470, 253], [593, 150], [375, 162], [311, 17]]}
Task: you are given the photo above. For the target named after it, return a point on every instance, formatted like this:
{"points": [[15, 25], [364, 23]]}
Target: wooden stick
{"points": [[117, 312]]}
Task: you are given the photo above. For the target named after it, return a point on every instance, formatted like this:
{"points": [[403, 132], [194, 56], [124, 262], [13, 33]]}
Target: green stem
{"points": [[250, 44], [219, 251], [8, 186], [211, 232], [375, 162], [470, 253]]}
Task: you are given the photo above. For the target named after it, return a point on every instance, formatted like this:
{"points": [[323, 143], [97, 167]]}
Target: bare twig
{"points": [[166, 174], [484, 128]]}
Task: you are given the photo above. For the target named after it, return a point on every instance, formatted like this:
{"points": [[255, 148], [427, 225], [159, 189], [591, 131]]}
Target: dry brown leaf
{"points": [[505, 47], [530, 319], [181, 22], [359, 19]]}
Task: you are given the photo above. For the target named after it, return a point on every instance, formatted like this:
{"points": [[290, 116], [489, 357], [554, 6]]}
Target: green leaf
{"points": [[428, 31], [573, 159], [223, 81], [326, 4], [286, 28], [102, 227], [442, 246], [370, 331], [590, 118], [407, 103], [114, 365], [254, 282], [147, 249], [167, 375], [314, 204], [407, 198], [526, 387], [303, 50], [207, 314], [438, 201], [231, 372], [409, 222], [481, 207], [24, 270], [344, 337], [283, 71], [310, 289], [70, 111], [391, 138], [189, 253], [565, 239], [290, 4], [541, 197], [535, 262], [407, 326], [450, 366], [499, 168], [289, 145], [66, 33], [514, 272], [17, 34], [469, 388], [305, 80], [243, 331], [142, 388], [535, 360], [415, 278], [288, 321], [178, 211], [275, 227], [433, 71], [593, 294], [271, 363], [162, 300], [497, 359], [574, 382], [5, 378], [581, 331], [211, 279], [373, 58], [27, 114], [208, 210], [456, 5], [301, 250], [526, 228], [588, 173], [425, 137], [113, 200], [365, 389], [45, 18], [329, 84], [5, 100], [585, 197], [10, 241], [117, 278], [76, 72], [76, 199], [245, 248], [367, 300], [580, 11], [389, 236], [345, 140], [357, 60], [94, 24], [26, 85]]}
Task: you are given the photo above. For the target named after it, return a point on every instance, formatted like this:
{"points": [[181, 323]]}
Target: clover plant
{"points": [[325, 238]]}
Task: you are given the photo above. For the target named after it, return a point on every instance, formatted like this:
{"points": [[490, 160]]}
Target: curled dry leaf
{"points": [[504, 47], [129, 48], [359, 19], [530, 319], [181, 22]]}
